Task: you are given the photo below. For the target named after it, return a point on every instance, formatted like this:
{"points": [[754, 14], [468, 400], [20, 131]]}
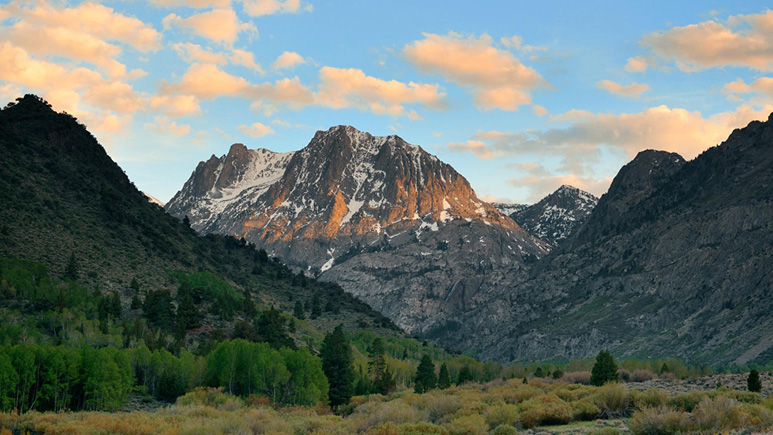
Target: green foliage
{"points": [[443, 378], [465, 375], [71, 270], [272, 329], [158, 309], [337, 364], [753, 382], [298, 311], [604, 370], [425, 375]]}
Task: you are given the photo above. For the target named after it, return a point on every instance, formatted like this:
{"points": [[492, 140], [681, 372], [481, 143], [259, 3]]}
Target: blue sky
{"points": [[520, 97]]}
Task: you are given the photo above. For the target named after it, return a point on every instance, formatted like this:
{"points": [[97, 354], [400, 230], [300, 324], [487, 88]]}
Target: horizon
{"points": [[542, 97]]}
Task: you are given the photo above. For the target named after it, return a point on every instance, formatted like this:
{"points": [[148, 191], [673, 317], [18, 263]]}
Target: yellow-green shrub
{"points": [[467, 425], [504, 429], [521, 394], [612, 400], [651, 398], [584, 410], [719, 413], [545, 410], [660, 420], [501, 413]]}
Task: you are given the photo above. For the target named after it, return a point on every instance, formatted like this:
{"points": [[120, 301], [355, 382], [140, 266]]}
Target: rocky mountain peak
{"points": [[557, 216]]}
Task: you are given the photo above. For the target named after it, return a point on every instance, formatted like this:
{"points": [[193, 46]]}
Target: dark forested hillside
{"points": [[66, 203]]}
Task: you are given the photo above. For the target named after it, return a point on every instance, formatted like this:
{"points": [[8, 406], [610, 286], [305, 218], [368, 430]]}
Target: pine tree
{"points": [[188, 314], [604, 370], [316, 306], [753, 382], [271, 327], [337, 361], [557, 374], [465, 375], [71, 270], [298, 311], [443, 378], [539, 373], [425, 375]]}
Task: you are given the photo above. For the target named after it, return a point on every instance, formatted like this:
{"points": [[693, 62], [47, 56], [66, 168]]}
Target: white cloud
{"points": [[219, 25], [631, 90], [255, 130], [742, 40], [256, 8], [163, 125], [288, 59], [496, 78], [637, 64]]}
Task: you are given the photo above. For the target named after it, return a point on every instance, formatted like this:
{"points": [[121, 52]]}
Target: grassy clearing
{"points": [[500, 407]]}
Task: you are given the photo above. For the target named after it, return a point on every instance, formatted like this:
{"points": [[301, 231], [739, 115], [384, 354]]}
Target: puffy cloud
{"points": [[256, 8], [288, 59], [196, 4], [539, 181], [245, 59], [637, 64], [763, 85], [93, 19], [219, 25], [194, 53], [255, 130], [632, 90], [581, 143], [743, 40], [497, 79], [340, 88], [175, 106], [163, 125], [539, 110]]}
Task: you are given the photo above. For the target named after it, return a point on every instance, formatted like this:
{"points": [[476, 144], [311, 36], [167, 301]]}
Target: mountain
{"points": [[556, 216], [676, 259], [64, 201], [154, 200], [507, 208], [390, 222]]}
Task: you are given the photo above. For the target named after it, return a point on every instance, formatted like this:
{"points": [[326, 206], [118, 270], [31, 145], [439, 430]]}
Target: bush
{"points": [[642, 376], [685, 401], [584, 410], [439, 406], [719, 413], [504, 429], [651, 398], [545, 410], [501, 414], [521, 394], [468, 425], [205, 396], [613, 401], [396, 412], [660, 420], [577, 378]]}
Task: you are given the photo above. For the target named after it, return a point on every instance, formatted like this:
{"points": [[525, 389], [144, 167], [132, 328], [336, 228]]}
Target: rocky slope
{"points": [[676, 259], [61, 195], [556, 216], [390, 222]]}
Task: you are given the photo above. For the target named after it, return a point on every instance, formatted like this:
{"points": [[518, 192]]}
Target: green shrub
{"points": [[501, 414], [468, 425], [685, 401], [504, 429], [651, 398], [613, 400], [584, 410], [719, 413], [545, 410], [659, 421], [441, 405]]}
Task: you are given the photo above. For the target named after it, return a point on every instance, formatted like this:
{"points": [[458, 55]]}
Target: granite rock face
{"points": [[555, 217], [393, 224], [676, 259]]}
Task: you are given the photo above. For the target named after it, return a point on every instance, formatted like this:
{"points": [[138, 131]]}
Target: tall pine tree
{"points": [[425, 375], [337, 362], [604, 370], [443, 378]]}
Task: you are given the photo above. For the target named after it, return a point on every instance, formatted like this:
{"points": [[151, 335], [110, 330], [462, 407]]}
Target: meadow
{"points": [[499, 407]]}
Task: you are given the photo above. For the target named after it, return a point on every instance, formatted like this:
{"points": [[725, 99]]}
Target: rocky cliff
{"points": [[676, 259], [393, 224]]}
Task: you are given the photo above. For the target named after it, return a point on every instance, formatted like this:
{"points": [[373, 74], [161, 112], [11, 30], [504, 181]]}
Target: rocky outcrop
{"points": [[393, 224], [556, 216], [676, 259]]}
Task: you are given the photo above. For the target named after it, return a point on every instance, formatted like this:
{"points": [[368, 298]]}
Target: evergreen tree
{"points": [[443, 378], [271, 327], [337, 361], [158, 309], [539, 373], [525, 381], [298, 311], [664, 368], [604, 370], [465, 375], [136, 302], [557, 374], [753, 381], [188, 315], [425, 375], [316, 306], [71, 270], [362, 387], [376, 363], [250, 310]]}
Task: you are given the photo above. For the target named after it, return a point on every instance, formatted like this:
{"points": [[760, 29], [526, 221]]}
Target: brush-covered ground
{"points": [[500, 407]]}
